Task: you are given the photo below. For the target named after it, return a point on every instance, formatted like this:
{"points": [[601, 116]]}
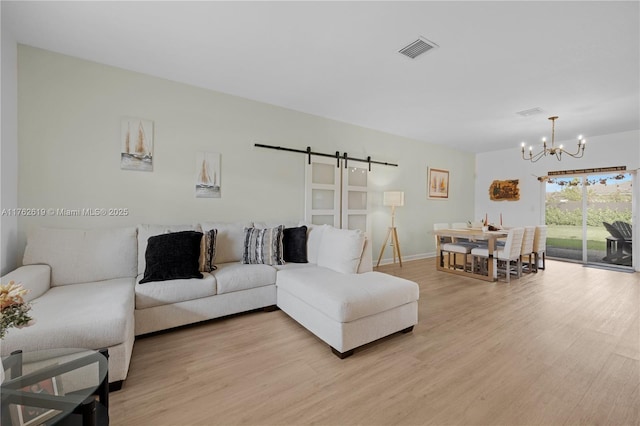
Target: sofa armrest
{"points": [[35, 278]]}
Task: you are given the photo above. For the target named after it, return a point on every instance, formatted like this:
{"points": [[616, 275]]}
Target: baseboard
{"points": [[389, 261]]}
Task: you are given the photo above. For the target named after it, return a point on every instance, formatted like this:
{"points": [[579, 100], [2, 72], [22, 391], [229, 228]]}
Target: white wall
{"points": [[8, 149], [69, 154], [618, 149]]}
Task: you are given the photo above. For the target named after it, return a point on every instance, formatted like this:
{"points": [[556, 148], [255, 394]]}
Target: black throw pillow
{"points": [[294, 245], [173, 256]]}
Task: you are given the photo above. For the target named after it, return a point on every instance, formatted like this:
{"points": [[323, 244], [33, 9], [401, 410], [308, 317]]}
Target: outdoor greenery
{"points": [[595, 217], [571, 237], [605, 200]]}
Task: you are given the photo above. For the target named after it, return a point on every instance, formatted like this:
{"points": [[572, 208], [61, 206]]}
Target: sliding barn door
{"points": [[336, 196], [322, 192], [355, 198]]}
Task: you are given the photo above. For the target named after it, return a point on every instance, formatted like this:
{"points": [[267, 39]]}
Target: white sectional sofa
{"points": [[86, 290]]}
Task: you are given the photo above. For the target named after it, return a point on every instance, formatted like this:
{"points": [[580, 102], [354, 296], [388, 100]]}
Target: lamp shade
{"points": [[393, 198]]}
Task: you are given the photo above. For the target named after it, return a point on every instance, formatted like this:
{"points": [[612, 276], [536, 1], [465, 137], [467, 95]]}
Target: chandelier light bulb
{"points": [[530, 148]]}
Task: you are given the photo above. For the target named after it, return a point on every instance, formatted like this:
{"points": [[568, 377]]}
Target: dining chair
{"points": [[463, 248], [456, 247], [539, 247], [503, 256], [459, 225], [527, 248], [439, 226], [443, 240]]}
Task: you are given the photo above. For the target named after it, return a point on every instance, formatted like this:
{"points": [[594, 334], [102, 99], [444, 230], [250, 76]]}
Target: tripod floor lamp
{"points": [[393, 199]]}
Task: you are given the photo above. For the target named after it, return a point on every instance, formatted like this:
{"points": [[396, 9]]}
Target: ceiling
{"points": [[579, 60]]}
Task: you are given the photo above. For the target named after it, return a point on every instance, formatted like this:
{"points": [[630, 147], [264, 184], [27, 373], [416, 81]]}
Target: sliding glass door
{"points": [[589, 219]]}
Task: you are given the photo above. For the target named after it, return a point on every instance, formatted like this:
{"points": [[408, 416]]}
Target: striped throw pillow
{"points": [[208, 251], [263, 246]]}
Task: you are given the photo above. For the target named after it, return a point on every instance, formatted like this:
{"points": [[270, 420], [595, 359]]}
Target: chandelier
{"points": [[553, 150]]}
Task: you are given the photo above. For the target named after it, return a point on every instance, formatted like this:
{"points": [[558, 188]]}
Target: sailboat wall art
{"points": [[136, 136], [438, 184], [207, 175]]}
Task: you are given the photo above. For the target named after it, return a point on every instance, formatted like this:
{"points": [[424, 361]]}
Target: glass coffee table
{"points": [[57, 386]]}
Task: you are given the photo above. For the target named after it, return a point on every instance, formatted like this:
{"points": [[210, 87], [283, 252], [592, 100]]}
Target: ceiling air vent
{"points": [[417, 48], [532, 111]]}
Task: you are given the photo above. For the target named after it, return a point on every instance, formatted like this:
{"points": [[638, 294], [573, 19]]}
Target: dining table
{"points": [[471, 234]]}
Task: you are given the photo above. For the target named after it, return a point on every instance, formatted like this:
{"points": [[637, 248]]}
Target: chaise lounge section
{"points": [[348, 311]]}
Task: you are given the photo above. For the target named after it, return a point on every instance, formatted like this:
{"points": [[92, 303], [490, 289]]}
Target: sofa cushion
{"points": [[341, 249], [229, 241], [294, 244], [286, 223], [347, 297], [173, 291], [232, 277], [83, 255], [87, 315], [314, 237], [263, 246], [146, 231], [173, 256], [208, 251]]}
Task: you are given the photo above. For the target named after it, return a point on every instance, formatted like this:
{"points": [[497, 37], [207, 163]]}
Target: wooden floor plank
{"points": [[612, 396], [558, 347]]}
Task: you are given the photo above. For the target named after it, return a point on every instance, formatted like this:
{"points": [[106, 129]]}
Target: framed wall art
{"points": [[504, 190], [136, 141], [207, 175], [438, 184]]}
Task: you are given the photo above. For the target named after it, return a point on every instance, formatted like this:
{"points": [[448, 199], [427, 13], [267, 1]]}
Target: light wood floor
{"points": [[561, 347]]}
